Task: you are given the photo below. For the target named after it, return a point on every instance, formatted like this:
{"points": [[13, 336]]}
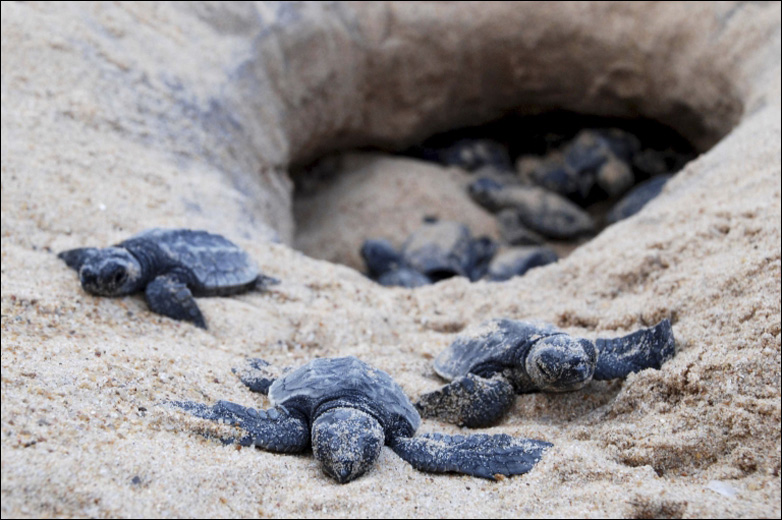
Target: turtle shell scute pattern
{"points": [[215, 261], [492, 342], [334, 378]]}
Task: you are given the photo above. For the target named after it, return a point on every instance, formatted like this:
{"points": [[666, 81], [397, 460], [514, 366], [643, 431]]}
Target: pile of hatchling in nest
{"points": [[563, 197]]}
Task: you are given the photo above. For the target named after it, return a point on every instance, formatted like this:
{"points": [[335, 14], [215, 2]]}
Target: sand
{"points": [[121, 117], [335, 216]]}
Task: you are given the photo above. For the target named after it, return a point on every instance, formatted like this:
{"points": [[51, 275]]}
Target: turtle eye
{"points": [[119, 277], [544, 368]]}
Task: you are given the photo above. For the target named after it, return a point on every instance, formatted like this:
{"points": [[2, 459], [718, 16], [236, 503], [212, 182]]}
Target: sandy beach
{"points": [[122, 117]]}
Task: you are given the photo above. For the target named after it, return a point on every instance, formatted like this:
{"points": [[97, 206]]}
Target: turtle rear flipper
{"points": [[170, 297], [646, 348], [469, 401], [263, 282], [275, 429], [478, 455], [75, 258]]}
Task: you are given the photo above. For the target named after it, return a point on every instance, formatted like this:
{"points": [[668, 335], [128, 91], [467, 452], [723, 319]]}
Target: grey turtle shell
{"points": [[492, 347], [218, 265], [328, 379]]}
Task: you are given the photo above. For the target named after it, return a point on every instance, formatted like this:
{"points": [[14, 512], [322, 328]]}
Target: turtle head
{"points": [[111, 271], [561, 363], [484, 190], [379, 256], [346, 442]]}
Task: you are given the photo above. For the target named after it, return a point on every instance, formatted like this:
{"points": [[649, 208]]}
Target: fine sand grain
{"points": [[117, 117]]}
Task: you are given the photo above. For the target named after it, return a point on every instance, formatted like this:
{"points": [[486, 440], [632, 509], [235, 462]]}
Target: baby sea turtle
{"points": [[603, 159], [436, 251], [386, 266], [440, 250], [594, 158], [170, 266], [538, 209], [347, 410], [489, 366]]}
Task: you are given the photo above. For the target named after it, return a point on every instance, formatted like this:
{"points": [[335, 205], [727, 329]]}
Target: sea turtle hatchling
{"points": [[170, 266], [386, 266], [436, 251], [538, 209], [487, 367], [592, 159], [347, 410], [444, 249]]}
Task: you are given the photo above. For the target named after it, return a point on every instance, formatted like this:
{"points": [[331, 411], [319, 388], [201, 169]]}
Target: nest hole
{"points": [[588, 165], [393, 83]]}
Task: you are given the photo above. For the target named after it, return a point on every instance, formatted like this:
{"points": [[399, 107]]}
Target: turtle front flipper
{"points": [[258, 375], [646, 348], [478, 455], [75, 258], [170, 297], [275, 429], [469, 401], [380, 257], [483, 250]]}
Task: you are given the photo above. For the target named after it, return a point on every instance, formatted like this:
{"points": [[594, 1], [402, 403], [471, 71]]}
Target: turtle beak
{"points": [[344, 473], [574, 373], [562, 364], [88, 276]]}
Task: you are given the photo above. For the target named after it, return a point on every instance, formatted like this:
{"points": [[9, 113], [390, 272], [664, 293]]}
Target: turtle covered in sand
{"points": [[436, 251], [489, 365], [537, 209], [346, 410]]}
